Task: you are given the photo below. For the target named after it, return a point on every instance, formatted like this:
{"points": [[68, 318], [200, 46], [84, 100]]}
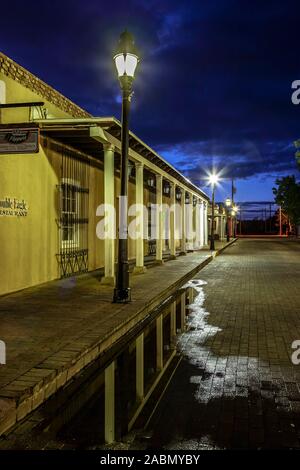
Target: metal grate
{"points": [[73, 214]]}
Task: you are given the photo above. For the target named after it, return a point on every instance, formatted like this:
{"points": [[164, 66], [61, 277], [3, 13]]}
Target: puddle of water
{"points": [[191, 343], [217, 379]]}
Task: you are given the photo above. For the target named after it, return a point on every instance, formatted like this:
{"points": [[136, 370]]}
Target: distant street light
{"points": [[234, 213], [213, 180], [227, 206], [126, 60]]}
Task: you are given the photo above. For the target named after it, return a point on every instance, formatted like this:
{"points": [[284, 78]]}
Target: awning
{"points": [[85, 134]]}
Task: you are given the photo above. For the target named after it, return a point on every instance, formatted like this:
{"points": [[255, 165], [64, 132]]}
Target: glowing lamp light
{"points": [[228, 202], [213, 179], [126, 57], [126, 64]]}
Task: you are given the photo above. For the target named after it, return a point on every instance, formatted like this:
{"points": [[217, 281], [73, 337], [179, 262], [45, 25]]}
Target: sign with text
{"points": [[19, 140], [11, 206]]}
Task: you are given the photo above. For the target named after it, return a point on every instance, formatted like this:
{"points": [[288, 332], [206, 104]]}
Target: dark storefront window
{"points": [[70, 211]]}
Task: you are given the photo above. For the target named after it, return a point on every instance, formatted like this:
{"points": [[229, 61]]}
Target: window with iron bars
{"points": [[73, 215]]}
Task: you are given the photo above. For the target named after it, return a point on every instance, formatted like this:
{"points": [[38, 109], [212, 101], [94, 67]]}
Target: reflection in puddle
{"points": [[218, 378], [192, 342], [198, 328]]}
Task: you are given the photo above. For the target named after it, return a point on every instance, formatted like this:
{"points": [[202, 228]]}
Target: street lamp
{"points": [[213, 180], [227, 205], [126, 60]]}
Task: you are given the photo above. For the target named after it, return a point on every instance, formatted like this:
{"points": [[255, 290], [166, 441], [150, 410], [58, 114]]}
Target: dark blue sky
{"points": [[213, 88]]}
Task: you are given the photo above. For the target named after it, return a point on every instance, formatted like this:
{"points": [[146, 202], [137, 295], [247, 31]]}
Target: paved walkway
{"points": [[236, 386], [54, 330]]}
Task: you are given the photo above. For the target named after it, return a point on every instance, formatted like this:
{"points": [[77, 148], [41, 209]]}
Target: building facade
{"points": [[59, 165]]}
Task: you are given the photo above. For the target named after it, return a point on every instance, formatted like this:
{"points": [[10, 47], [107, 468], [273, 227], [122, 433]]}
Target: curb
{"points": [[218, 252]]}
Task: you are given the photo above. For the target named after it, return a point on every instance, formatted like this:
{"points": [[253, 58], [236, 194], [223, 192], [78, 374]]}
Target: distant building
{"points": [[58, 164]]}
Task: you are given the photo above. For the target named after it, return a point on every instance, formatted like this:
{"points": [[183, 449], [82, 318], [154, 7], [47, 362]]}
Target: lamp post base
{"points": [[212, 245], [122, 296]]}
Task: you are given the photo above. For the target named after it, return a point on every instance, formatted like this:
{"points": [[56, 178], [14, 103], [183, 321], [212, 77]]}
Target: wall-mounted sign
{"points": [[13, 207], [19, 140]]}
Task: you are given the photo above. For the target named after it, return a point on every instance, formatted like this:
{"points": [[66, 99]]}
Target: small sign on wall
{"points": [[19, 140], [13, 207]]}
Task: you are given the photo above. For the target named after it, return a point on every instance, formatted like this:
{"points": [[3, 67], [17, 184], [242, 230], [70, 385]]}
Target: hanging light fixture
{"points": [[178, 194], [131, 168], [151, 181], [167, 188]]}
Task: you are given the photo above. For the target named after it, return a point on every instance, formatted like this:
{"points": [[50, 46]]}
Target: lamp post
{"points": [[213, 179], [126, 60], [227, 205]]}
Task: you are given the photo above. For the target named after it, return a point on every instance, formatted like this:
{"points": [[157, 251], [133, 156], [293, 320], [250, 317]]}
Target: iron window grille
{"points": [[73, 215]]}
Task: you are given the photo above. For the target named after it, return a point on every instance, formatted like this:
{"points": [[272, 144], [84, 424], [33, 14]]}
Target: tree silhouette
{"points": [[287, 195]]}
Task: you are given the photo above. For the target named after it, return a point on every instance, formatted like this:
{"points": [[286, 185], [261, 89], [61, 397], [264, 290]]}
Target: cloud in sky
{"points": [[214, 85], [242, 159]]}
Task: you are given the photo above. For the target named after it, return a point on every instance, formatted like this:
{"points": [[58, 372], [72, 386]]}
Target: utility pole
{"points": [[280, 222], [240, 221], [265, 221], [233, 218]]}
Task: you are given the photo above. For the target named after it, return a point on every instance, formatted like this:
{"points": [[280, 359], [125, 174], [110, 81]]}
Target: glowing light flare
{"points": [[213, 179]]}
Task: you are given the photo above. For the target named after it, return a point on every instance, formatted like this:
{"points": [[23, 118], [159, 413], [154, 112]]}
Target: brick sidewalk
{"points": [[54, 330], [236, 386]]}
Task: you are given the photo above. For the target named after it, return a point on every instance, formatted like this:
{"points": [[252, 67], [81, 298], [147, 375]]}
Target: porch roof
{"points": [[84, 134]]}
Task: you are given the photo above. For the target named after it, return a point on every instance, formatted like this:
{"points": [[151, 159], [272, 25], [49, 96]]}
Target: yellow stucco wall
{"points": [[28, 243], [15, 93]]}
